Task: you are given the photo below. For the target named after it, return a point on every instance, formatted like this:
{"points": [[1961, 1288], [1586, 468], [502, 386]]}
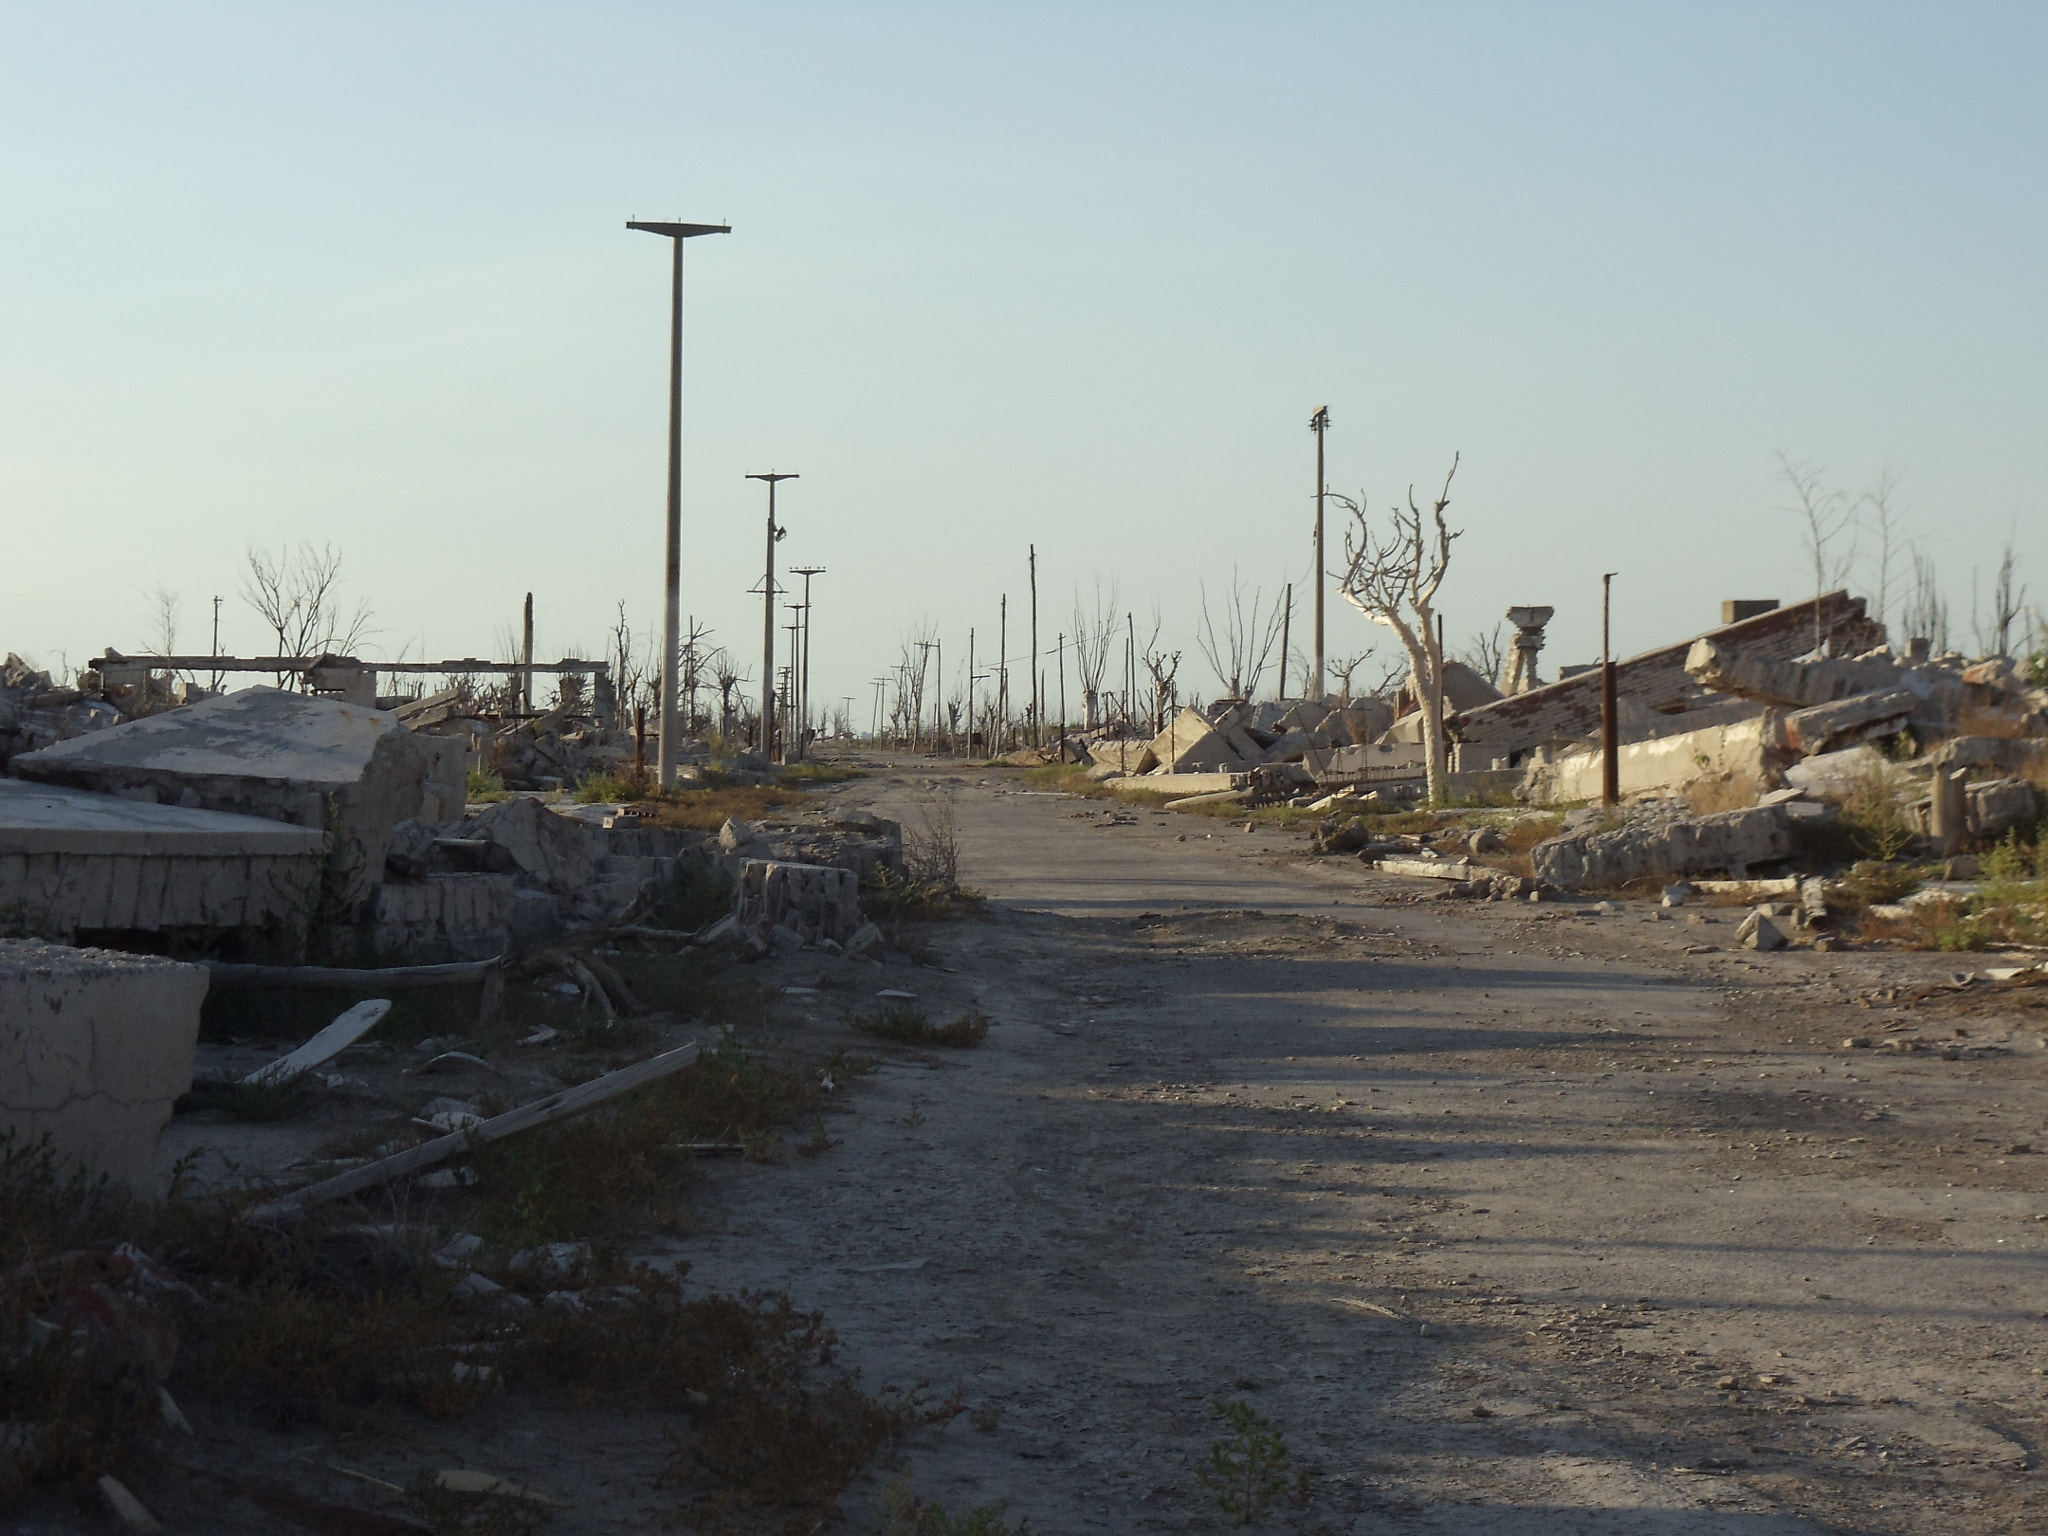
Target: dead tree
{"points": [[1164, 668], [1880, 503], [1240, 654], [1485, 653], [1827, 516], [1393, 579], [298, 595], [1092, 634], [1343, 669]]}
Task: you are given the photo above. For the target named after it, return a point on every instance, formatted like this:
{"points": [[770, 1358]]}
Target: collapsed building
{"points": [[263, 835]]}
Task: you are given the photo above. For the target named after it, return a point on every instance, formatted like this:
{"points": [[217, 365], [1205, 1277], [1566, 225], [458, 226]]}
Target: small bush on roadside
{"points": [[1247, 1470], [909, 1515], [485, 787], [910, 1026]]}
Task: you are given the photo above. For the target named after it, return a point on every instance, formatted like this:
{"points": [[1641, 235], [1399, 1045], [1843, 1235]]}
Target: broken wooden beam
{"points": [[565, 1105]]}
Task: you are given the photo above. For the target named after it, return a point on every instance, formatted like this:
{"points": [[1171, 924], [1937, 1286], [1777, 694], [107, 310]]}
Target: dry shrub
{"points": [[931, 849], [1720, 792], [607, 1171], [776, 1423], [1876, 806], [910, 1027]]}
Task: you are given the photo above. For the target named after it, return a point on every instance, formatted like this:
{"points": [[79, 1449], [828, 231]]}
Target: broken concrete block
{"points": [[1654, 846], [95, 1047], [536, 846], [290, 757], [1124, 756], [865, 938], [1997, 805], [1758, 932], [72, 861], [1102, 773], [811, 901], [1826, 727], [1190, 745]]}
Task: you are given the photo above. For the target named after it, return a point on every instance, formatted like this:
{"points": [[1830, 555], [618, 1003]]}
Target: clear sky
{"points": [[1001, 274]]}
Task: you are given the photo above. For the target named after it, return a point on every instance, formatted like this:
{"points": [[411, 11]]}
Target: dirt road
{"points": [[1510, 1219]]}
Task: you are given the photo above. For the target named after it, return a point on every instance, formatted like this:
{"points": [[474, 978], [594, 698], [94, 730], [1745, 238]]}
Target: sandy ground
{"points": [[1510, 1218]]}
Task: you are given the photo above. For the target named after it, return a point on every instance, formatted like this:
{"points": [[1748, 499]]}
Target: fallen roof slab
{"points": [[47, 818]]}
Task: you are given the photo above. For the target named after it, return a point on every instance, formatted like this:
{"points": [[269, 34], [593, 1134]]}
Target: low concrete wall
{"points": [[95, 1047], [1666, 762]]}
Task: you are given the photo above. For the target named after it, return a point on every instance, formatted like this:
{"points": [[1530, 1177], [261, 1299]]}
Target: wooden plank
{"points": [[329, 1043], [565, 1105]]}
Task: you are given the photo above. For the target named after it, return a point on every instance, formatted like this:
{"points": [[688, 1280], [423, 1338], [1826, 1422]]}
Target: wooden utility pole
{"points": [[1037, 692], [1286, 631], [1003, 667], [775, 533], [970, 690], [1610, 744], [526, 656], [1063, 696], [1320, 425]]}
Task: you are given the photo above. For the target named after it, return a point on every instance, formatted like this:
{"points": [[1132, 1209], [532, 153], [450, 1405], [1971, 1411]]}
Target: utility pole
{"points": [[1320, 425], [526, 656], [1063, 695], [1286, 631], [803, 682], [1037, 692], [773, 479], [881, 686], [1610, 746], [924, 650], [1003, 667], [970, 690], [792, 722], [214, 685], [671, 611], [1443, 747]]}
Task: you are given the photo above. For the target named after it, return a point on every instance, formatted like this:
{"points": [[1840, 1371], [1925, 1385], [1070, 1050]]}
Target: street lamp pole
{"points": [[803, 682], [773, 478], [671, 614]]}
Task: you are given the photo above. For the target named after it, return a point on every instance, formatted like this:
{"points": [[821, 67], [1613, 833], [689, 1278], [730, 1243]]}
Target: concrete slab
{"points": [[46, 818], [95, 1048]]}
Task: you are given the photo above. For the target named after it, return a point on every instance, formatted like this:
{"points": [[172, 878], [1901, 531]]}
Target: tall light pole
{"points": [[671, 613], [1320, 425], [768, 619], [803, 681]]}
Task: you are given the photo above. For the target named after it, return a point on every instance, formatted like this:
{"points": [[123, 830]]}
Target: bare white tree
{"points": [[1882, 513], [1163, 666], [1243, 648], [1485, 653], [1827, 515], [1093, 632], [297, 593], [1343, 669], [1393, 579]]}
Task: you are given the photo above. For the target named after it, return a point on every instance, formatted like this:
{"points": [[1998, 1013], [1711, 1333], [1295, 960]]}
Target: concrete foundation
{"points": [[74, 862], [95, 1047], [442, 918]]}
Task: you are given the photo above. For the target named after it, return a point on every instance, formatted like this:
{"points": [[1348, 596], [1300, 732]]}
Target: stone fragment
{"points": [[1651, 846], [535, 845], [1759, 933]]}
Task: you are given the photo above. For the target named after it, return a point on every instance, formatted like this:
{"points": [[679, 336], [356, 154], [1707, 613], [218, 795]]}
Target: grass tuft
{"points": [[909, 1026]]}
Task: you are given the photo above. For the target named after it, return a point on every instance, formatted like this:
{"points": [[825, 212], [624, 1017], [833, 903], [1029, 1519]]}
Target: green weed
{"points": [[1247, 1470], [485, 787], [910, 1026], [909, 1515]]}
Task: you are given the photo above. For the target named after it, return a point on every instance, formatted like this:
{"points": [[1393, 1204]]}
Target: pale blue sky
{"points": [[1071, 274]]}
